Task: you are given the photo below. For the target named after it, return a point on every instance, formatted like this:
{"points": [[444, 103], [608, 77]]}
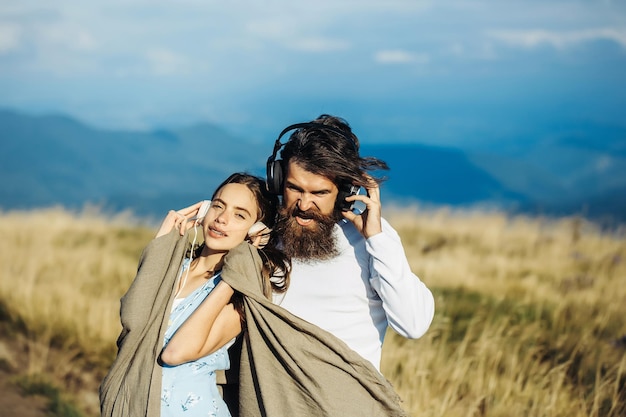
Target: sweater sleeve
{"points": [[409, 305]]}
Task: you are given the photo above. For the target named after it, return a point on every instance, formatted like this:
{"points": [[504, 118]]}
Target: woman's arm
{"points": [[211, 326]]}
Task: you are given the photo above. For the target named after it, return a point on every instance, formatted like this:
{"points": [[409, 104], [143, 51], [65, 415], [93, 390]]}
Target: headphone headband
{"points": [[308, 125], [274, 170]]}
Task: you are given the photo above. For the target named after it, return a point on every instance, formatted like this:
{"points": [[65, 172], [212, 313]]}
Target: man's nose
{"points": [[305, 202]]}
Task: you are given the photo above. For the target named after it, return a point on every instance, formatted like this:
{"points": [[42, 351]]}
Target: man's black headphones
{"points": [[275, 170]]}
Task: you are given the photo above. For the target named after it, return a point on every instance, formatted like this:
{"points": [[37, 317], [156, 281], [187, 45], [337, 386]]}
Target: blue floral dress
{"points": [[190, 389]]}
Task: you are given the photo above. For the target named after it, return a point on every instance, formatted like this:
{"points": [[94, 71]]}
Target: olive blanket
{"points": [[288, 367]]}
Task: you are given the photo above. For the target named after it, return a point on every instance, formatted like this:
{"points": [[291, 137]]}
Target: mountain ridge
{"points": [[58, 160]]}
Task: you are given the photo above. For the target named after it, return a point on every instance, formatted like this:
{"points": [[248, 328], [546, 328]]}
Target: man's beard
{"points": [[314, 243]]}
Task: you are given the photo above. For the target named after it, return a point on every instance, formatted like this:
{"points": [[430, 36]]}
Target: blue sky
{"points": [[447, 72]]}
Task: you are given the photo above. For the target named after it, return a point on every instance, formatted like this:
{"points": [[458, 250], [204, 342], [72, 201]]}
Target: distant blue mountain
{"points": [[57, 160], [442, 176], [578, 169]]}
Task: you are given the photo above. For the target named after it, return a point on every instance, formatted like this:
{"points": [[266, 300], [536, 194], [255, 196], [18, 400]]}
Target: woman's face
{"points": [[233, 211]]}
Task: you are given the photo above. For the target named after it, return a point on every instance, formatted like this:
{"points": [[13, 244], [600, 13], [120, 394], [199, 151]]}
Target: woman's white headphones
{"points": [[259, 229]]}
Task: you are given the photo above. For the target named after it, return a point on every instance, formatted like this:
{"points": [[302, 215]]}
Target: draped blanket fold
{"points": [[132, 387], [288, 367]]}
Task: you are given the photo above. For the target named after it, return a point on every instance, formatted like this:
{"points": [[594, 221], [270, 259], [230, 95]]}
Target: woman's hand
{"points": [[180, 220]]}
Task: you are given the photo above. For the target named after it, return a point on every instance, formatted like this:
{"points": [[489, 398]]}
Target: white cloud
{"points": [[64, 37], [319, 45], [303, 35], [604, 163], [398, 56], [10, 35], [165, 62], [557, 39]]}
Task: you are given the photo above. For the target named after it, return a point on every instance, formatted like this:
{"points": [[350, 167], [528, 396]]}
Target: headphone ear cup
{"points": [[346, 190], [262, 232], [274, 176]]}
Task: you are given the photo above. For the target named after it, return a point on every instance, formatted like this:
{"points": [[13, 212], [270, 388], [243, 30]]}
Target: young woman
{"points": [[179, 317]]}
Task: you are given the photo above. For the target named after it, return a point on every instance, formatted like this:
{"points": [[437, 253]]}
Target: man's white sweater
{"points": [[357, 294]]}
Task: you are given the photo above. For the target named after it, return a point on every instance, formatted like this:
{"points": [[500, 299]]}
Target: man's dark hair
{"points": [[330, 154]]}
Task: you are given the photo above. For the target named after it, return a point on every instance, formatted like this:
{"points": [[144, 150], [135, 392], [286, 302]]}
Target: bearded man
{"points": [[350, 275]]}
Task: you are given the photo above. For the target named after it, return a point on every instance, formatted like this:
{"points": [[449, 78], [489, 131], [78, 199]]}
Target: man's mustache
{"points": [[307, 214]]}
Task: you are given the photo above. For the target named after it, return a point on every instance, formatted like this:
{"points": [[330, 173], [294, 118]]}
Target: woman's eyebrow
{"points": [[236, 207]]}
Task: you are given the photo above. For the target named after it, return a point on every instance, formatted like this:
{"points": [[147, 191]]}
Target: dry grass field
{"points": [[530, 312]]}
